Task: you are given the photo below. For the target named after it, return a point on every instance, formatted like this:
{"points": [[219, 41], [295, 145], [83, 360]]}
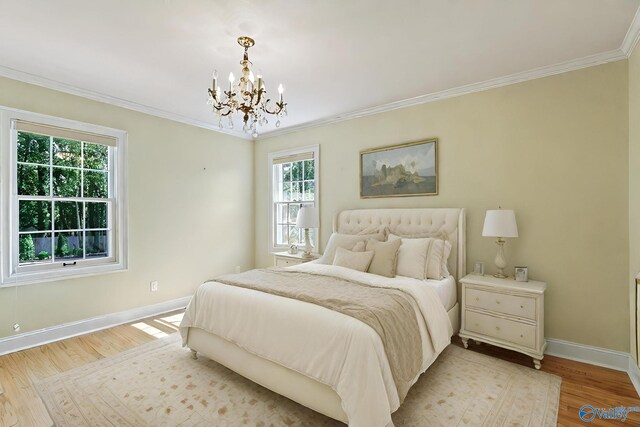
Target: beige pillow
{"points": [[359, 247], [412, 257], [436, 253], [385, 255], [354, 260], [346, 241]]}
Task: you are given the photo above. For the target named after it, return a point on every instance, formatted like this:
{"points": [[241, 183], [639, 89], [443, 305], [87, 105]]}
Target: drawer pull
{"points": [[497, 328], [521, 336], [497, 302], [522, 306], [477, 298]]}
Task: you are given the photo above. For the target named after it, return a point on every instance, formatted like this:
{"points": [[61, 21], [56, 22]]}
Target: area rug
{"points": [[159, 384]]}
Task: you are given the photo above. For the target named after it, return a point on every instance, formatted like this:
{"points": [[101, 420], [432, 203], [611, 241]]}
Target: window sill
{"points": [[28, 278]]}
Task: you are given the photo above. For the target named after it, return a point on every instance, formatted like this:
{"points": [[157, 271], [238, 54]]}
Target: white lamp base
{"points": [[308, 247], [500, 261]]}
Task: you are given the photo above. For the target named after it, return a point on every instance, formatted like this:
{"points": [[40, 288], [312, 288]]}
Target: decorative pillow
{"points": [[412, 257], [354, 260], [385, 255], [346, 241], [359, 247], [436, 253]]}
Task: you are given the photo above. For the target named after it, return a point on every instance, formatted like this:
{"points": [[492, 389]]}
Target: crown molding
{"points": [[633, 35], [111, 100], [588, 61]]}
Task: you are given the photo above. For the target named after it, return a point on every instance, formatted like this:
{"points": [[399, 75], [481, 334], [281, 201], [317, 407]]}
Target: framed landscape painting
{"points": [[400, 170]]}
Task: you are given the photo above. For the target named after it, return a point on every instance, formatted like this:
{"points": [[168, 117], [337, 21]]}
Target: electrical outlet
{"points": [[154, 286], [16, 327]]}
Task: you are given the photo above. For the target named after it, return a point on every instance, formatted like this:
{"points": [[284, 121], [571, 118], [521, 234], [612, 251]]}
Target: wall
{"points": [[190, 213], [634, 187], [554, 149]]}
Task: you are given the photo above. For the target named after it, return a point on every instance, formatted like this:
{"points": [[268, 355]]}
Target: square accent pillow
{"points": [[385, 255], [412, 257], [354, 260], [346, 241]]}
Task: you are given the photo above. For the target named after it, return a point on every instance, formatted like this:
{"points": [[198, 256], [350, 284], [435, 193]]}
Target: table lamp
{"points": [[307, 218], [500, 223]]}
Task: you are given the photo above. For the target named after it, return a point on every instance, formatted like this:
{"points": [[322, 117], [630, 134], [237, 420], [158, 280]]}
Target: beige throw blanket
{"points": [[387, 311]]}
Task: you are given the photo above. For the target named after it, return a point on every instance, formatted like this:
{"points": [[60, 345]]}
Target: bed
{"points": [[326, 361]]}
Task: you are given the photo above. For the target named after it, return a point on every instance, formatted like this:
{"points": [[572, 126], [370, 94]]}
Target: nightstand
{"points": [[504, 313], [285, 259]]}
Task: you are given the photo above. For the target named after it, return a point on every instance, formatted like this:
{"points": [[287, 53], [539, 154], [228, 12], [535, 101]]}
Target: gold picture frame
{"points": [[402, 170]]}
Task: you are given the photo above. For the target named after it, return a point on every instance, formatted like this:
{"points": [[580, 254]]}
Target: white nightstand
{"points": [[504, 313], [285, 259]]}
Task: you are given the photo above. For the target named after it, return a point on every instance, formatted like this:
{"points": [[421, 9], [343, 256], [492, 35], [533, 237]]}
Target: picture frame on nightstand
{"points": [[521, 274], [478, 268]]}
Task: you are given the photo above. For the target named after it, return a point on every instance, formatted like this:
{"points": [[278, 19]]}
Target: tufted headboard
{"points": [[447, 223]]}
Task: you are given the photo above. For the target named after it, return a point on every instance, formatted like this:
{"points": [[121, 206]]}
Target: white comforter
{"points": [[328, 346]]}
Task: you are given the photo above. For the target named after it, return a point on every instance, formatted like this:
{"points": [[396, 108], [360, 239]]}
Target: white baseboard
{"points": [[67, 330], [618, 360]]}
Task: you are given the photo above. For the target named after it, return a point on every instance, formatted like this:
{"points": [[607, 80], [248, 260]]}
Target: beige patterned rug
{"points": [[158, 384]]}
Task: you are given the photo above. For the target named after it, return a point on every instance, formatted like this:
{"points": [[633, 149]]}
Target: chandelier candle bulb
{"points": [[215, 80]]}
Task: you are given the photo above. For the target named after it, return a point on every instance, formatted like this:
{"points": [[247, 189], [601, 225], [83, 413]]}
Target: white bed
{"points": [[243, 329]]}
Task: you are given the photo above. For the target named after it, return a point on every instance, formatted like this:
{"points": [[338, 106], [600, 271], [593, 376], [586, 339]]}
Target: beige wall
{"points": [[634, 186], [190, 213], [553, 149]]}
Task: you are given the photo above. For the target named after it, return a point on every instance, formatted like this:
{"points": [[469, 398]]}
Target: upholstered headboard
{"points": [[447, 223]]}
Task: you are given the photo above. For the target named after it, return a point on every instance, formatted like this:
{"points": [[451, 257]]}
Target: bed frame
{"points": [[447, 223]]}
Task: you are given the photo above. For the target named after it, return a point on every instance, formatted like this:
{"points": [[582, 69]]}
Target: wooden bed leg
{"points": [[194, 354]]}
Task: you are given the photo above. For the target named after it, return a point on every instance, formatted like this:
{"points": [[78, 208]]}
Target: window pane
{"points": [[282, 236], [295, 191], [33, 180], [281, 213], [33, 148], [286, 192], [66, 182], [97, 244], [68, 215], [293, 213], [67, 152], [68, 245], [308, 169], [34, 247], [96, 184], [309, 190], [294, 235], [96, 215], [34, 215], [286, 172], [296, 171], [96, 156]]}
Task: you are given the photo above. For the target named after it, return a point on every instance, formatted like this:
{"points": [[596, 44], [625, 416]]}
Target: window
{"points": [[65, 198], [294, 184]]}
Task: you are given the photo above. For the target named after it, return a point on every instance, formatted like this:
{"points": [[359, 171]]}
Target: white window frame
{"points": [[315, 149], [11, 273]]}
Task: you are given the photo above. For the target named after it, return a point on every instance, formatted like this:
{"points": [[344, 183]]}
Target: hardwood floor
{"points": [[20, 405]]}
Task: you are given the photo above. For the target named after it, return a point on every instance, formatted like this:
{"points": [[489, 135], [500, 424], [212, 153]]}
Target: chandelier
{"points": [[246, 96]]}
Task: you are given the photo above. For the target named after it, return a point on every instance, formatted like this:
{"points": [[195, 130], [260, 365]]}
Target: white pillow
{"points": [[412, 257], [423, 258], [346, 241], [359, 261]]}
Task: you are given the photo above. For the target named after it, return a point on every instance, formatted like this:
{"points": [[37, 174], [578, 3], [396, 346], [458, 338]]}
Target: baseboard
{"points": [[67, 330], [617, 360]]}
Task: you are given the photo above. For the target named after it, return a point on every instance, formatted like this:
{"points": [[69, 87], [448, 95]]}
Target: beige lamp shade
{"points": [[500, 223], [308, 218]]}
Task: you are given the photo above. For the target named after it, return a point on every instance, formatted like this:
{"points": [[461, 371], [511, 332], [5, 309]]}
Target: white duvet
{"points": [[328, 346]]}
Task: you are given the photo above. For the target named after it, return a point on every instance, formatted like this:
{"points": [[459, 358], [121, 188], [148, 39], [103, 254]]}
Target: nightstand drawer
{"points": [[502, 329], [283, 262], [508, 304]]}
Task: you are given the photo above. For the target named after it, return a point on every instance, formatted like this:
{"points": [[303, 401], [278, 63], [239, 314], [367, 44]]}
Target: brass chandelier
{"points": [[246, 96]]}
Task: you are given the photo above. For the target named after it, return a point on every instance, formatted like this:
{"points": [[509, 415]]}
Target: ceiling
{"points": [[336, 58]]}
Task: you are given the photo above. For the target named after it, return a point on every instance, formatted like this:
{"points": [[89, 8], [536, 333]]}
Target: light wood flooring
{"points": [[20, 405]]}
